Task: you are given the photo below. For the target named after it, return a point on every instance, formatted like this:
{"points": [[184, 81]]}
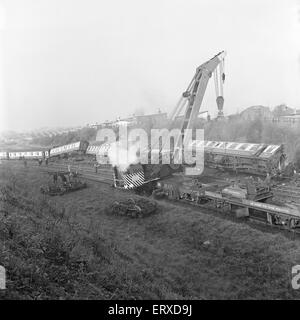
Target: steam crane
{"points": [[137, 175], [192, 98]]}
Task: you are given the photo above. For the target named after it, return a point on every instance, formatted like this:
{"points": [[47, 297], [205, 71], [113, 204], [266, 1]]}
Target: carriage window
{"points": [[243, 146], [232, 145], [254, 147], [221, 145], [249, 147], [271, 149], [267, 150]]}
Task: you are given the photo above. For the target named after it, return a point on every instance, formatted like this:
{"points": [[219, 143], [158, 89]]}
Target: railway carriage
{"points": [[243, 157], [75, 147], [15, 155]]}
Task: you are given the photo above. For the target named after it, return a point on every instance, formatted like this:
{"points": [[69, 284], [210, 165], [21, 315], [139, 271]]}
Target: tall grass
{"points": [[45, 252], [69, 248]]}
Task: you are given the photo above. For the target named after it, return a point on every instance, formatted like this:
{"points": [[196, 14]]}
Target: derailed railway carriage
{"points": [[253, 158], [243, 157], [79, 146]]}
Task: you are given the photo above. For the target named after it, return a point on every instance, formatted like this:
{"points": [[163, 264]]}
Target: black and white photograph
{"points": [[149, 151]]}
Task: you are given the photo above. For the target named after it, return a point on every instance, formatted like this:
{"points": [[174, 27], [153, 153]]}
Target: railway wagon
{"points": [[79, 147], [248, 202], [28, 155]]}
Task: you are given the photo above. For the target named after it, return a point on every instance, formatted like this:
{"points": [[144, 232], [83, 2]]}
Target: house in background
{"points": [[155, 120], [255, 112]]}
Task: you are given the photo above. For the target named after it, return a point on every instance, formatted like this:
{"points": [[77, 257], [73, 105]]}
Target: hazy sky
{"points": [[72, 62]]}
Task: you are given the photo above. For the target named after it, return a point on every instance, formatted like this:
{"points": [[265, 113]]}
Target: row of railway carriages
{"points": [[75, 147], [240, 156]]}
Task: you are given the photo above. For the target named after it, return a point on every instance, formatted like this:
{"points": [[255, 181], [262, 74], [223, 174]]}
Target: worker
{"points": [[69, 168], [268, 179], [46, 161], [63, 178], [96, 167], [40, 162], [55, 178]]}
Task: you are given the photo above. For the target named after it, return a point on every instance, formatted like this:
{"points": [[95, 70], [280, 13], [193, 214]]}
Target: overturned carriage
{"points": [[244, 157]]}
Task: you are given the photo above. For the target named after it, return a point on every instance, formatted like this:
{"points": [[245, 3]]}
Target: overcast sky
{"points": [[73, 62]]}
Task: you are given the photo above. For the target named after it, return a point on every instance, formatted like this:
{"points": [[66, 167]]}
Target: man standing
{"points": [[55, 178]]}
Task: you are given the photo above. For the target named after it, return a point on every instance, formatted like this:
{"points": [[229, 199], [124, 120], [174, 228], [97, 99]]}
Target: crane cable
{"points": [[219, 77], [216, 81]]}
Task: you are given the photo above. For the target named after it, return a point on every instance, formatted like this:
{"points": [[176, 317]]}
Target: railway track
{"points": [[105, 175], [287, 193], [102, 175]]}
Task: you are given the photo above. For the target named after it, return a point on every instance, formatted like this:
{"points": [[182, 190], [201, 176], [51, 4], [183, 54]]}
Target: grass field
{"points": [[68, 247]]}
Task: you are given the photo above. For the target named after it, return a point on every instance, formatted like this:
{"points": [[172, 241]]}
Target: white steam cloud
{"points": [[119, 155]]}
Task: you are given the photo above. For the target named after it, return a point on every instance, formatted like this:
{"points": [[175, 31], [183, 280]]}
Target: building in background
{"points": [[255, 112], [155, 120]]}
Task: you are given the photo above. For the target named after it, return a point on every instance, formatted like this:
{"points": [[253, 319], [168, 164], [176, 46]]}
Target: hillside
{"points": [[69, 247]]}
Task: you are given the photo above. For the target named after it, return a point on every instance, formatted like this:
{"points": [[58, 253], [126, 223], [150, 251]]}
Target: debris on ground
{"points": [[68, 182], [135, 208]]}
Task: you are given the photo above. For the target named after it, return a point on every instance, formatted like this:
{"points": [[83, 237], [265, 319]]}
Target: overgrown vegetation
{"points": [[45, 252], [69, 248]]}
